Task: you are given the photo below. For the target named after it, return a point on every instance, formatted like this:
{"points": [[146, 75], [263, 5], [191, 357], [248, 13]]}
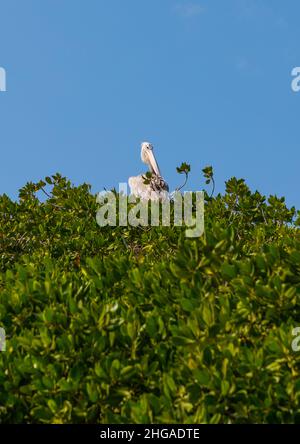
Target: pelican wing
{"points": [[146, 191]]}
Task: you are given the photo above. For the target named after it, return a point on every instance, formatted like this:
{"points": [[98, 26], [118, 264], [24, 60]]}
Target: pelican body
{"points": [[157, 188]]}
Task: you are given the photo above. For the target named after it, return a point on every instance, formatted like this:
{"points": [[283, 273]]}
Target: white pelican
{"points": [[157, 188]]}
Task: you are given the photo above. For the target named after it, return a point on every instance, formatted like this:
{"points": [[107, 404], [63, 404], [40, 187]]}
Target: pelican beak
{"points": [[152, 163]]}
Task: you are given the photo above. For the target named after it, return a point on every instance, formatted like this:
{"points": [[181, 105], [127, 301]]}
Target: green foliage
{"points": [[184, 168], [209, 176], [142, 325], [147, 177]]}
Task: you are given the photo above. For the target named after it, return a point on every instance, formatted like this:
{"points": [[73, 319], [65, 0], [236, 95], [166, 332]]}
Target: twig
{"points": [[51, 203], [213, 190], [186, 179], [47, 194]]}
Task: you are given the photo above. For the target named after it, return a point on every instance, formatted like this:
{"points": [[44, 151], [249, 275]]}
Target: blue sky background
{"points": [[207, 82]]}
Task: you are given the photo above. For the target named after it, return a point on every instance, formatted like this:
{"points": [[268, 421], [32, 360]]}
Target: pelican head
{"points": [[148, 157]]}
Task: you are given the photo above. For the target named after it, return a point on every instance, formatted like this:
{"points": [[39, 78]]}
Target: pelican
{"points": [[157, 188]]}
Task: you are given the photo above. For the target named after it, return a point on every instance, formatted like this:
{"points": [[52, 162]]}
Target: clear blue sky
{"points": [[207, 82]]}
